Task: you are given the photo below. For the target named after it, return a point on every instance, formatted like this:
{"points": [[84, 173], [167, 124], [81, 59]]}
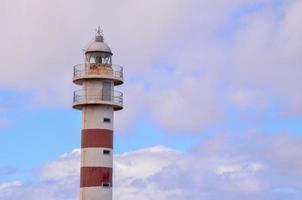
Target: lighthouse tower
{"points": [[97, 100]]}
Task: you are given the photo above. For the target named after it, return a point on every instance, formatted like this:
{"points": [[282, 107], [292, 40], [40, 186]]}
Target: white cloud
{"points": [[7, 189], [66, 166], [130, 168], [175, 108], [232, 172], [267, 55], [7, 170], [134, 102], [193, 57], [10, 185]]}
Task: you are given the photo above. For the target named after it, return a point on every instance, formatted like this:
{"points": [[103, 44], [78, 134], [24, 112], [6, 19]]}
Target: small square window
{"points": [[106, 152], [106, 184], [107, 120]]}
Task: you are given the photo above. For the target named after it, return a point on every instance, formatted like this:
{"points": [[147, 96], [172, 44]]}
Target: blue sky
{"points": [[211, 93]]}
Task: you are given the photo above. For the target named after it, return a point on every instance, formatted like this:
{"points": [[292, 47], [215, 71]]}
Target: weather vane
{"points": [[99, 34], [99, 31]]}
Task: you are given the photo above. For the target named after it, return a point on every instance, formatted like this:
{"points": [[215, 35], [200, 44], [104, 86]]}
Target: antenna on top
{"points": [[99, 37]]}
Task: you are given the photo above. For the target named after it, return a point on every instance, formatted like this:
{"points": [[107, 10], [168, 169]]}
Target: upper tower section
{"points": [[98, 76], [98, 63]]}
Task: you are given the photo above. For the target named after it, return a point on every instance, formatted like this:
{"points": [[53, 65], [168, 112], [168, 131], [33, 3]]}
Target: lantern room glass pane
{"points": [[99, 58]]}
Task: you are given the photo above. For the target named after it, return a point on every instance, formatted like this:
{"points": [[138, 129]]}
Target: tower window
{"points": [[106, 184], [107, 120], [106, 152]]}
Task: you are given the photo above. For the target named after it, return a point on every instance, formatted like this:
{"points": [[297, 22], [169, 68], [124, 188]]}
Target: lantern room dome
{"points": [[98, 45]]}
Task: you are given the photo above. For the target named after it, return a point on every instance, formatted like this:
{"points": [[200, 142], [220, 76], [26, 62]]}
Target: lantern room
{"points": [[98, 51]]}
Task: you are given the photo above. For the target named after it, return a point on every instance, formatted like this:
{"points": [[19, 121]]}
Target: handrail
{"points": [[95, 95], [80, 70]]}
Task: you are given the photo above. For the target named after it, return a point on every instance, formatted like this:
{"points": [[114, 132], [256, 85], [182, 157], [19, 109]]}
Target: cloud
{"points": [[241, 167], [175, 108], [66, 166], [56, 180], [193, 57], [267, 54], [7, 189], [130, 168], [7, 170]]}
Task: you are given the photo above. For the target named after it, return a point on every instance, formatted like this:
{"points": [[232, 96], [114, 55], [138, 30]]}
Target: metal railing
{"points": [[85, 69], [97, 96]]}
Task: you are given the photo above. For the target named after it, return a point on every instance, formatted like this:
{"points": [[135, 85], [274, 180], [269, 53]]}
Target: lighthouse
{"points": [[97, 100]]}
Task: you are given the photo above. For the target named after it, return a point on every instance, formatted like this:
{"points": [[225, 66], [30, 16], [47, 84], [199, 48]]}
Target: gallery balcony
{"points": [[86, 71], [97, 97]]}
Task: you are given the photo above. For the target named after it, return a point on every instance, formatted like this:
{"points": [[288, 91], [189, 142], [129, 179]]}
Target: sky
{"points": [[212, 98]]}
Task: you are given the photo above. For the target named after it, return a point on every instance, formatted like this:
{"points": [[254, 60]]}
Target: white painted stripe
{"points": [[96, 193], [93, 117], [95, 157]]}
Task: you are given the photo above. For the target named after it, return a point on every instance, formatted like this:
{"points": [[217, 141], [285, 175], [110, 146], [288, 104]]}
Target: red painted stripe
{"points": [[97, 138], [95, 176]]}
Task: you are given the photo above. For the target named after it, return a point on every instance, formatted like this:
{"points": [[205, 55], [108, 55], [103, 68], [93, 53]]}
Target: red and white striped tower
{"points": [[97, 100]]}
